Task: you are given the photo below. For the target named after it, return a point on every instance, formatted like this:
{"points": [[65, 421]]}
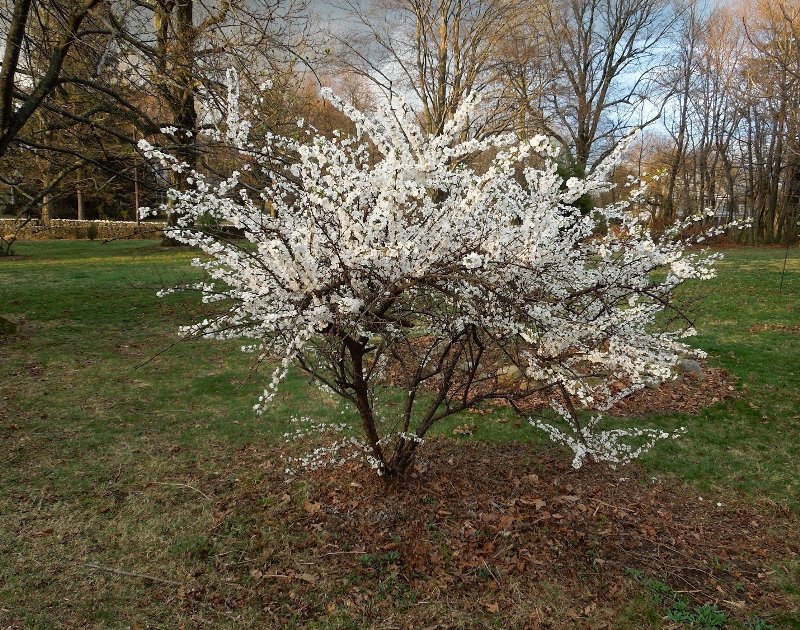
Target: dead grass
{"points": [[485, 536]]}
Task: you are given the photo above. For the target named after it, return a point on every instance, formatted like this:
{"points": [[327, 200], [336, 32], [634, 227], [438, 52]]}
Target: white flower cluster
{"points": [[613, 446], [339, 452], [394, 233], [309, 427]]}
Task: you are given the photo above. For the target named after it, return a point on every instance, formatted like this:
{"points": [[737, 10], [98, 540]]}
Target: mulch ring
{"points": [[689, 393], [692, 394], [497, 529]]}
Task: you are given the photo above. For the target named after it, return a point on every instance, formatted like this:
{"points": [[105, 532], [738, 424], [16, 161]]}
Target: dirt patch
{"points": [[759, 328], [487, 533], [7, 327]]}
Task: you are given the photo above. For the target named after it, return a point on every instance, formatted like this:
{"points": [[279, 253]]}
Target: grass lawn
{"points": [[126, 455]]}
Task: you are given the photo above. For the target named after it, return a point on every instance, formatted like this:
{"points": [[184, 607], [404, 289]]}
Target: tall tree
{"points": [[24, 85], [438, 50], [603, 55]]}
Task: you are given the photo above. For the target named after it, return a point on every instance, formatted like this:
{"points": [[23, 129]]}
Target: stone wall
{"points": [[74, 229]]}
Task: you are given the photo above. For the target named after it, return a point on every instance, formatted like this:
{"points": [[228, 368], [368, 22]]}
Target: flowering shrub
{"points": [[392, 247]]}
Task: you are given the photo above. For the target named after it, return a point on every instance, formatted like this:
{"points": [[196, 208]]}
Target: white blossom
{"points": [[394, 237]]}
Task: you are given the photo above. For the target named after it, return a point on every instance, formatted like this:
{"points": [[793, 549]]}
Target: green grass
{"points": [[96, 400], [99, 404], [750, 443]]}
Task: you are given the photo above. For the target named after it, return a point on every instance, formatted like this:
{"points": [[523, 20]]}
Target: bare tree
{"points": [[773, 31], [134, 69], [603, 55], [734, 126], [683, 81], [436, 50], [24, 86]]}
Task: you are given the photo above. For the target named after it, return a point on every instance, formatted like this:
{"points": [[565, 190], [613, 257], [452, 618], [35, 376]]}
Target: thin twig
{"points": [[143, 576], [183, 485], [491, 572], [158, 354], [616, 507]]}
